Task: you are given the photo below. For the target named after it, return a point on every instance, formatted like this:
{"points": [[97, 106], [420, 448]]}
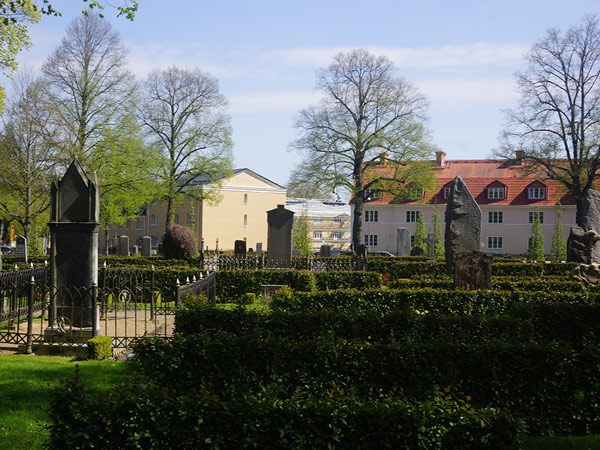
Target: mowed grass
{"points": [[26, 385]]}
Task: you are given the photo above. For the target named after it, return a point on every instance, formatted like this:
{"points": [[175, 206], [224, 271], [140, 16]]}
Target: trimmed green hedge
{"points": [[553, 389], [573, 325], [144, 415], [420, 300], [547, 284]]}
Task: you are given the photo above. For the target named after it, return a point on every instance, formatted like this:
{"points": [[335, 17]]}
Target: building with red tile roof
{"points": [[508, 197]]}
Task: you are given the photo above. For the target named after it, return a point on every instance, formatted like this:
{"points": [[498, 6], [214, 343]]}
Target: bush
{"points": [[99, 348], [179, 242], [347, 280], [233, 285]]}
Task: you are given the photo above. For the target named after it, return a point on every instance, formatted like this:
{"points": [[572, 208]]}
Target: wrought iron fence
{"points": [[256, 262], [206, 285]]}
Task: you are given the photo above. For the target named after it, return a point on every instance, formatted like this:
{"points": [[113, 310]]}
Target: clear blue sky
{"points": [[461, 54]]}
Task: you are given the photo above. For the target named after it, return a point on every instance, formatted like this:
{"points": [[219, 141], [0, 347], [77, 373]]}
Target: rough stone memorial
{"points": [[279, 238], [463, 223], [123, 245], [74, 223], [239, 248], [473, 271], [403, 239], [146, 246], [581, 246], [325, 251], [21, 250]]}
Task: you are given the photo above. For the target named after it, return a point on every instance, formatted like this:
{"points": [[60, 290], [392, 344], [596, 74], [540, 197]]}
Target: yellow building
{"points": [[240, 215]]}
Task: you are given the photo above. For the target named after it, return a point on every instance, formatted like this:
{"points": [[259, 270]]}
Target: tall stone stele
{"points": [[74, 223], [279, 238], [463, 223]]}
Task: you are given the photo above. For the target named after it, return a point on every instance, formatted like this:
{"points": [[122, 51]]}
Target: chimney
{"points": [[440, 158], [519, 156]]}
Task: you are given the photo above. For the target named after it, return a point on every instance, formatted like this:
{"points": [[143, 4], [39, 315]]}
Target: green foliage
{"points": [[99, 348], [420, 232], [347, 280], [438, 250], [301, 235], [558, 251], [535, 252], [232, 286]]}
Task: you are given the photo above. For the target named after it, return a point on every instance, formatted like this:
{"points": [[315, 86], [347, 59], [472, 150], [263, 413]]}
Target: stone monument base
{"points": [[57, 335], [49, 349]]}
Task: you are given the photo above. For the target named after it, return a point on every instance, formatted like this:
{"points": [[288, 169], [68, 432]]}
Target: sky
{"points": [[461, 54]]}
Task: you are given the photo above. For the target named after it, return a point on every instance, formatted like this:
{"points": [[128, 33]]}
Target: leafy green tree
{"points": [[301, 238], [368, 116], [420, 232], [438, 250], [556, 125], [183, 114], [536, 241], [558, 251]]}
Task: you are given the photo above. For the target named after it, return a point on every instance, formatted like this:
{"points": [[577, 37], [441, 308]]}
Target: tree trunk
{"points": [[170, 212], [357, 219]]}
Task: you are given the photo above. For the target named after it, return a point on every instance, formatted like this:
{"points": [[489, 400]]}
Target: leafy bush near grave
{"points": [[178, 242], [547, 284], [347, 280], [144, 415], [232, 285], [572, 325], [421, 300], [554, 389], [99, 348]]}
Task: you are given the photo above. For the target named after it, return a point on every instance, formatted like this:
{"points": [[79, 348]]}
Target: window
{"points": [[414, 193], [495, 217], [245, 199], [532, 216], [494, 242], [371, 240], [155, 241], [190, 219], [154, 220], [140, 224], [337, 220], [128, 224], [372, 194], [245, 220], [317, 220], [371, 216], [177, 219], [110, 226], [496, 192], [446, 192], [316, 235], [336, 235], [537, 193], [120, 227], [411, 216]]}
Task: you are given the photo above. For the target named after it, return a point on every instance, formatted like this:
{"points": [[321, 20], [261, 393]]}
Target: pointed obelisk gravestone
{"points": [[279, 238], [463, 223], [21, 250], [74, 223]]}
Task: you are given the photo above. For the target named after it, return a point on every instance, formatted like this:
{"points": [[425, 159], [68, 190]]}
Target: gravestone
{"points": [[588, 274], [417, 251], [325, 251], [21, 250], [74, 222], [403, 239], [473, 271], [259, 249], [136, 250], [296, 252], [591, 221], [463, 223], [431, 242], [576, 251], [279, 238], [123, 245], [239, 248], [146, 246]]}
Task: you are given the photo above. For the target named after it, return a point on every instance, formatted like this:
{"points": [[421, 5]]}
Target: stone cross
{"points": [[74, 223]]}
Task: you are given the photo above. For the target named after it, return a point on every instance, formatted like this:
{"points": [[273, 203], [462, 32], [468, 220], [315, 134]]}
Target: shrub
{"points": [[347, 280], [179, 242], [99, 348]]}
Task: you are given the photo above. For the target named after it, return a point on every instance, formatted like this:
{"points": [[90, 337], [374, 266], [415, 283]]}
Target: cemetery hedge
{"points": [[547, 284]]}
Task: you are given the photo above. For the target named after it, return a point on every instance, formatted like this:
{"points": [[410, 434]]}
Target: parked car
{"points": [[382, 253], [6, 250]]}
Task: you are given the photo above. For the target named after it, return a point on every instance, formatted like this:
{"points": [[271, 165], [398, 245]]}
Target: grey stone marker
{"points": [[279, 240], [136, 250], [74, 223], [417, 251], [431, 241], [239, 248], [123, 245], [259, 249], [146, 246], [325, 251], [403, 242], [21, 250], [463, 223], [578, 243]]}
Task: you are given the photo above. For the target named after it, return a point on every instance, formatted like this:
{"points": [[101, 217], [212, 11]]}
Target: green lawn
{"points": [[26, 383]]}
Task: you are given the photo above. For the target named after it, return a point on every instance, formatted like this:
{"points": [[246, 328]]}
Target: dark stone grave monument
{"points": [[21, 250], [74, 223], [146, 246], [123, 245], [417, 251], [239, 248], [259, 249], [279, 240], [581, 246], [473, 271], [325, 251]]}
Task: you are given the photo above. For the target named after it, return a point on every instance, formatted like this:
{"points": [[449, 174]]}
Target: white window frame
{"points": [[140, 224], [495, 193], [154, 219], [371, 240], [317, 219], [495, 217], [494, 243], [317, 235], [336, 235], [447, 192], [532, 216], [176, 219], [371, 216], [536, 193], [337, 220], [412, 216], [373, 194]]}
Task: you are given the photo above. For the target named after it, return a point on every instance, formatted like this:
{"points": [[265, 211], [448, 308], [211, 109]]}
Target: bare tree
{"points": [[184, 116], [27, 155], [367, 115], [90, 86], [556, 123]]}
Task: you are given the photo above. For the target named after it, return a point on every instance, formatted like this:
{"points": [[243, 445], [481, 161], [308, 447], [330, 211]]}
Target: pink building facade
{"points": [[509, 200]]}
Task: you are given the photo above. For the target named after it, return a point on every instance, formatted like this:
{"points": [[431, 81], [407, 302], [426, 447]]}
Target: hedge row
{"points": [[573, 325], [548, 284], [144, 415], [553, 389], [420, 300], [233, 285]]}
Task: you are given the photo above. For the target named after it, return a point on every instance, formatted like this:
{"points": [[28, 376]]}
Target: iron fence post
{"points": [[152, 299], [94, 309], [13, 306], [29, 349], [177, 293]]}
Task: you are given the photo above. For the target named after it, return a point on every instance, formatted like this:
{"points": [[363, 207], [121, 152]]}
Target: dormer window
{"points": [[414, 193], [372, 194], [495, 193], [447, 192], [537, 193]]}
